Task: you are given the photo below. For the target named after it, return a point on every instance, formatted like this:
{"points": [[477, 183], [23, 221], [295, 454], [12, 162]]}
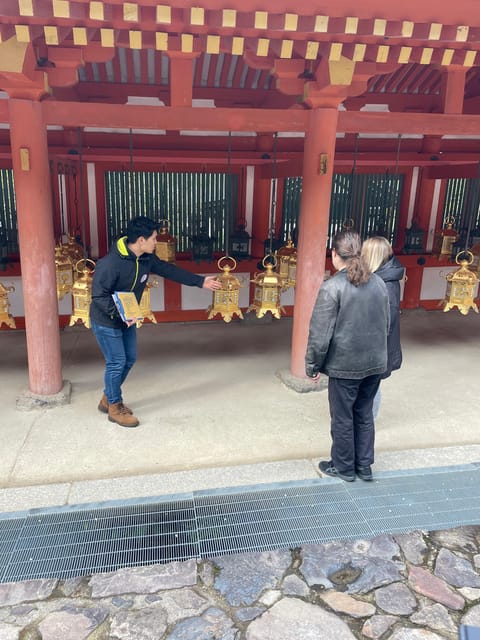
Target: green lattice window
{"points": [[371, 201], [8, 213], [462, 202], [190, 201]]}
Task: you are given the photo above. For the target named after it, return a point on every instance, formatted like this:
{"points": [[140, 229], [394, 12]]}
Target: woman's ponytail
{"points": [[348, 246]]}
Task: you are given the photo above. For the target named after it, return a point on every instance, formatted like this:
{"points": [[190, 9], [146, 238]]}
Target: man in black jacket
{"points": [[126, 268]]}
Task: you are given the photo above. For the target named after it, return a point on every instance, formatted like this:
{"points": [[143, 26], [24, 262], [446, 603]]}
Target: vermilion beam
{"points": [[71, 114]]}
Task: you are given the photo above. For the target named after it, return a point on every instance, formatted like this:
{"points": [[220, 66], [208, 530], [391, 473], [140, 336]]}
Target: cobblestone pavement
{"points": [[413, 586]]}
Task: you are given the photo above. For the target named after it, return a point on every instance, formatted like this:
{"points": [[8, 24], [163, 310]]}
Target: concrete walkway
{"points": [[213, 413]]}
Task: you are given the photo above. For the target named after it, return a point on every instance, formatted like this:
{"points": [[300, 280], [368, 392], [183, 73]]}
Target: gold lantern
{"points": [[146, 304], [268, 287], [225, 300], [287, 264], [166, 243], [73, 249], [444, 240], [461, 286], [64, 271], [5, 316], [82, 293]]}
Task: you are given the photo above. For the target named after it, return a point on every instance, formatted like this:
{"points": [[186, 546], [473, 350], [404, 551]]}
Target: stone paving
{"points": [[413, 586]]}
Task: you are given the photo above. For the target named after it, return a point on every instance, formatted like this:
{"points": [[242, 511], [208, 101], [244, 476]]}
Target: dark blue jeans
{"points": [[352, 426], [119, 348]]}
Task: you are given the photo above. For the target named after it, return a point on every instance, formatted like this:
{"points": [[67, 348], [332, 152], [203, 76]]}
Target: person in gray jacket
{"points": [[348, 342]]}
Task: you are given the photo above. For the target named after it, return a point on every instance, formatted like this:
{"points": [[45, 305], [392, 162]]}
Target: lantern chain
{"points": [[470, 217], [273, 204], [60, 182], [228, 208], [82, 194]]}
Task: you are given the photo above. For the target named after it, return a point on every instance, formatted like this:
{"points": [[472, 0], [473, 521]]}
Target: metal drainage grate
{"points": [[73, 541]]}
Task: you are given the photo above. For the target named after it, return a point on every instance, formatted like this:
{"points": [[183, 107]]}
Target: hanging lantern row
{"points": [[413, 239], [145, 303], [461, 286], [82, 293], [267, 291], [444, 240], [225, 300], [286, 258], [240, 243], [5, 316], [66, 255], [73, 248], [202, 246], [64, 272], [166, 245]]}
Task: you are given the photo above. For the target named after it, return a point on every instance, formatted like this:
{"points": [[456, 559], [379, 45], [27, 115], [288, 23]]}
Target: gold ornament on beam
{"points": [[166, 244], [225, 300], [461, 286], [268, 287], [287, 264], [146, 304], [64, 271], [82, 294], [5, 316]]}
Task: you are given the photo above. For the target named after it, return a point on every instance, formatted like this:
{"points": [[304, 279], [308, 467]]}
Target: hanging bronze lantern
{"points": [[240, 243], [64, 271], [5, 316], [202, 246], [146, 305], [444, 240], [166, 244], [82, 293], [461, 286], [292, 270], [268, 287], [287, 264], [413, 239], [225, 300]]}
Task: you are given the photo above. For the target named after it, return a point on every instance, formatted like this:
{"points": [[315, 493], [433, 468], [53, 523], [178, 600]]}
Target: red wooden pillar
{"points": [[313, 226], [28, 136]]}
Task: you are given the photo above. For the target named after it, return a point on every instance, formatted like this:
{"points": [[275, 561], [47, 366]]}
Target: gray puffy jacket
{"points": [[348, 329]]}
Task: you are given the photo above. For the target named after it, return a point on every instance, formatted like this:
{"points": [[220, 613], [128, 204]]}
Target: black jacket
{"points": [[121, 270], [391, 273], [348, 329]]}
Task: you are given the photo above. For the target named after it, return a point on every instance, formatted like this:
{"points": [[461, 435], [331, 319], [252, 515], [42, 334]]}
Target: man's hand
{"points": [[211, 283]]}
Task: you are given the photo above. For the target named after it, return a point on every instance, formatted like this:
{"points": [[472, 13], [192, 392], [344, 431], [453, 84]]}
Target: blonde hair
{"points": [[376, 251]]}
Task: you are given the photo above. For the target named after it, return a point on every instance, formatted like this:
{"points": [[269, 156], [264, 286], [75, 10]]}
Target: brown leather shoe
{"points": [[118, 413], [103, 406]]}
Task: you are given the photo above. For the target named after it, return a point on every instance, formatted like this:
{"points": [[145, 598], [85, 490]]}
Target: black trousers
{"points": [[352, 427]]}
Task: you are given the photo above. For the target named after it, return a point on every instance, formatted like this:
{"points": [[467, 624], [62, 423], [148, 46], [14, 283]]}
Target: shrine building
{"points": [[246, 128]]}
